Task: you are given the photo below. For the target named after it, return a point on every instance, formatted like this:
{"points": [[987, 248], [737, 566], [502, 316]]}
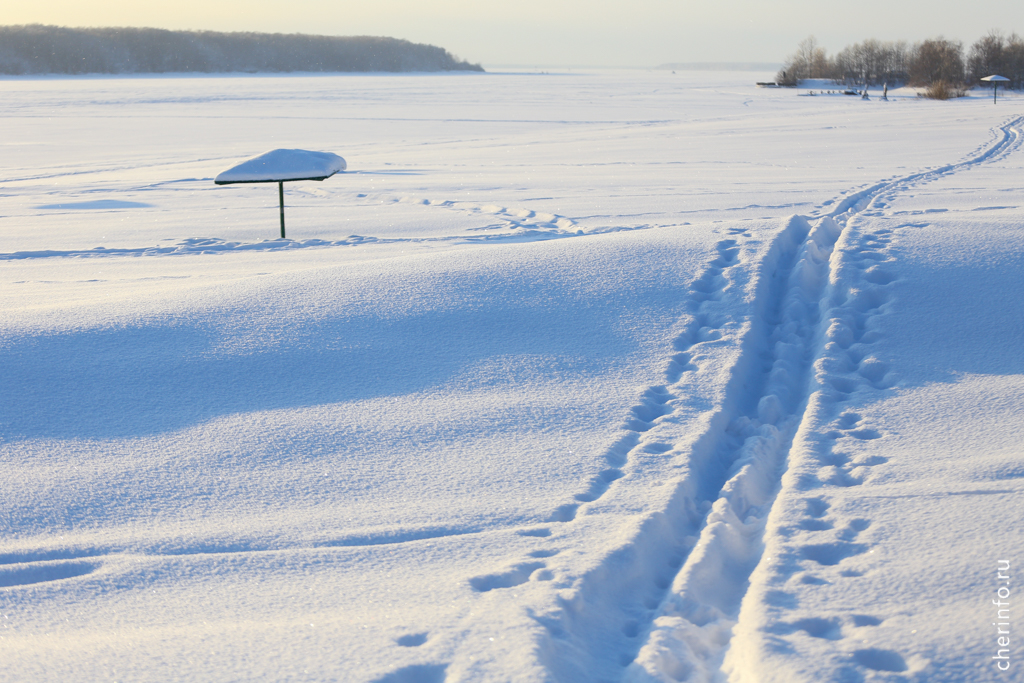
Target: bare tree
{"points": [[937, 60], [809, 61], [872, 62], [996, 54], [1014, 61]]}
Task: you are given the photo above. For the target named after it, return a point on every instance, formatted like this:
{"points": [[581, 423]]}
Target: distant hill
{"points": [[722, 66], [38, 49]]}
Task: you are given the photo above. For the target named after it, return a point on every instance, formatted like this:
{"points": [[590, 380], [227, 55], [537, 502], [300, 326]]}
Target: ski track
{"points": [[662, 606]]}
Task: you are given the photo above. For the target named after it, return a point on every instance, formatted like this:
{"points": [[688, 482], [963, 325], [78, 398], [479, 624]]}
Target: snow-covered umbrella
{"points": [[281, 166], [995, 81]]}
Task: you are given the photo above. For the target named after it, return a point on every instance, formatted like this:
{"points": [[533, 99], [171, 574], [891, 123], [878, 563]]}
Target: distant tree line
{"points": [[37, 49], [875, 62]]}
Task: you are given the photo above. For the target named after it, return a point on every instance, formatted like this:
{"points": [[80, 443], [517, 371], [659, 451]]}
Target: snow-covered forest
{"points": [[37, 49]]}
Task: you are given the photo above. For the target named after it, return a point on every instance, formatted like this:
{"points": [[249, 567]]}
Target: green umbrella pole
{"points": [[280, 196]]}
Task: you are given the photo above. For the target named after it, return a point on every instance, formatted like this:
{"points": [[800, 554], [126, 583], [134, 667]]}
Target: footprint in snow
{"points": [[831, 554], [853, 529], [848, 420], [880, 660], [817, 507], [515, 576], [861, 620], [816, 627], [412, 640]]}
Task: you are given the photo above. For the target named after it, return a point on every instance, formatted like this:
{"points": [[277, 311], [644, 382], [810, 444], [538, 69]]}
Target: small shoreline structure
{"points": [[36, 49]]}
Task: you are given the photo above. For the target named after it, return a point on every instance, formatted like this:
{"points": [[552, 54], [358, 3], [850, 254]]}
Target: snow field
{"points": [[517, 400], [602, 151]]}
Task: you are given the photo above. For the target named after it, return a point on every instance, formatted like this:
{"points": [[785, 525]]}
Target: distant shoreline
{"points": [[489, 70], [170, 75], [37, 50]]}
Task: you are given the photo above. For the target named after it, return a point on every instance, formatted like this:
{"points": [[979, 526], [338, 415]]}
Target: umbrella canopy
{"points": [[995, 81], [282, 165]]}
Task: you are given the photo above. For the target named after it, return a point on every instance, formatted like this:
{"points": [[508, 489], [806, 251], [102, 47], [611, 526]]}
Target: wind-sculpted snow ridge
{"points": [[193, 245], [503, 225], [662, 601], [212, 245]]}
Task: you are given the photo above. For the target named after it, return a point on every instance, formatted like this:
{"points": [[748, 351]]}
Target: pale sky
{"points": [[561, 32]]}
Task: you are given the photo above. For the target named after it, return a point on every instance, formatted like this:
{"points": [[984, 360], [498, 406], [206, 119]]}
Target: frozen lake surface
{"points": [[583, 376]]}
